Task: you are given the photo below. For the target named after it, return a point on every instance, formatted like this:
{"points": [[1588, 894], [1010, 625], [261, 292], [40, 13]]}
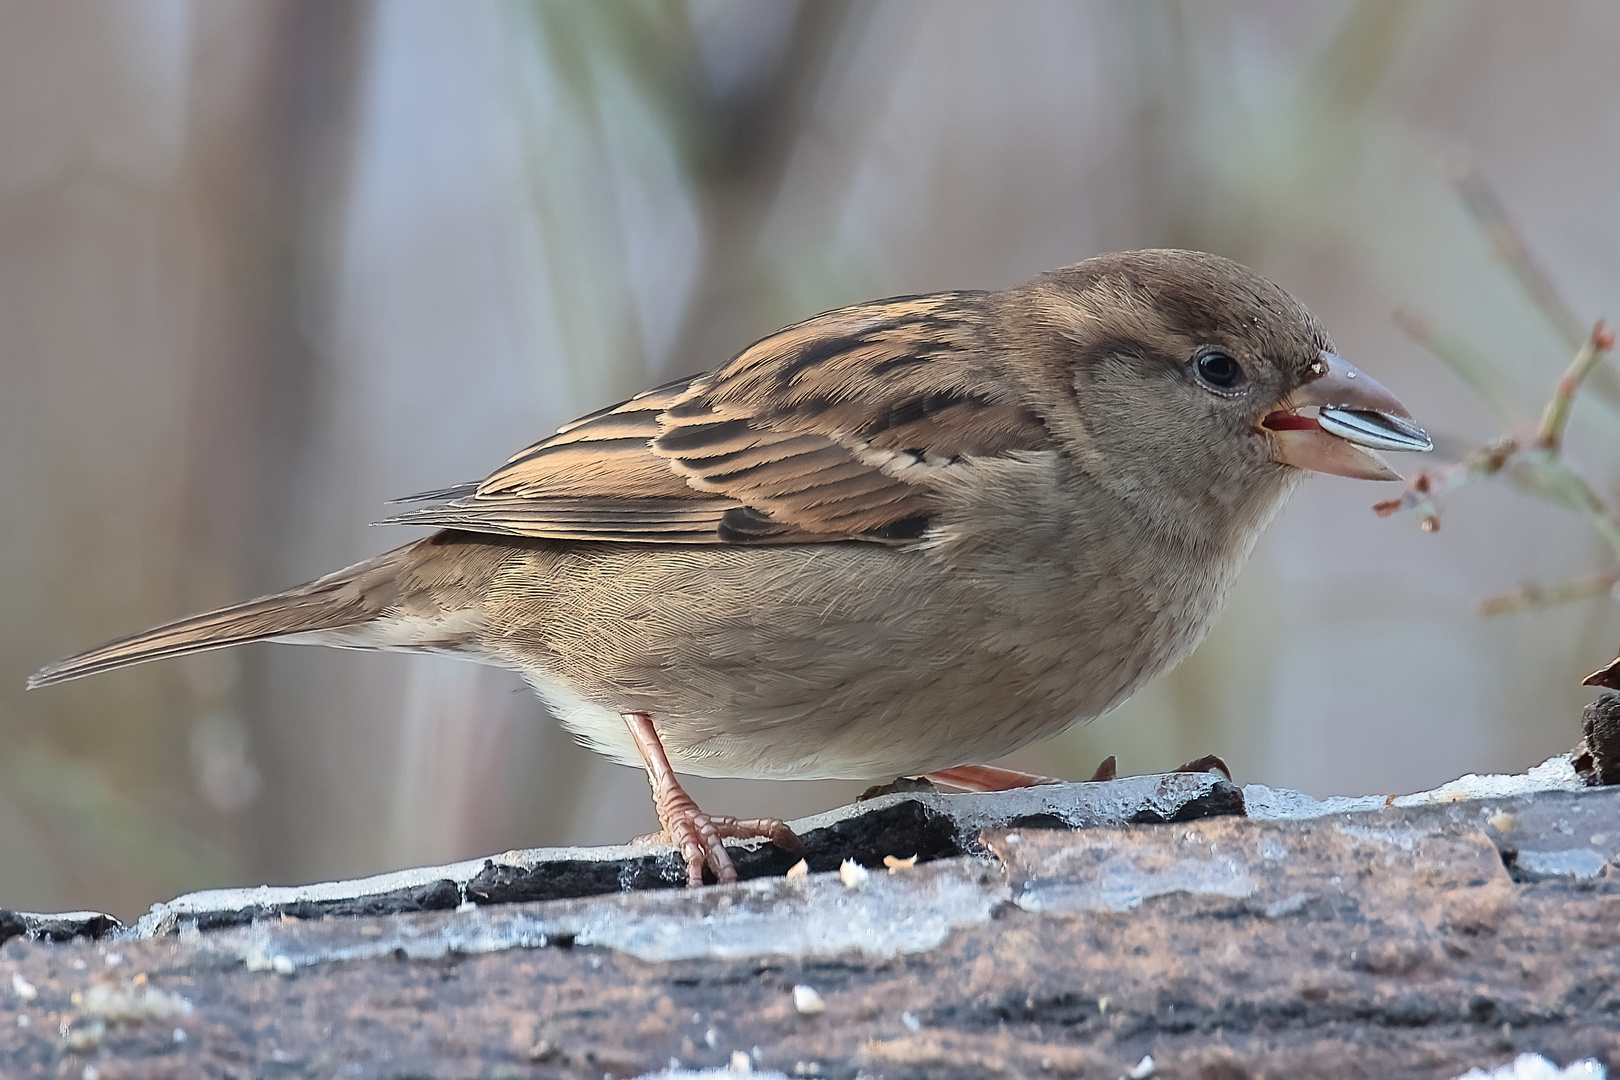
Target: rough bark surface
{"points": [[1399, 941]]}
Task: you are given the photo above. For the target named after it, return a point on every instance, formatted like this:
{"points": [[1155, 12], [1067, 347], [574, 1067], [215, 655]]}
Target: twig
{"points": [[1556, 417], [1492, 217], [1536, 466], [1487, 210], [1464, 360], [1578, 495], [1428, 484], [1533, 462], [1535, 596]]}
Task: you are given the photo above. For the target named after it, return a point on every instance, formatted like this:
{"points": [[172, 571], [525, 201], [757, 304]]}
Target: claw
{"points": [[699, 837]]}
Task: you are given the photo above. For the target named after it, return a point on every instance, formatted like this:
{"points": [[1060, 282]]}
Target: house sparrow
{"points": [[896, 538]]}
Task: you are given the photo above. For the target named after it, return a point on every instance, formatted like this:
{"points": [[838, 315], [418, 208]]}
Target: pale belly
{"points": [[806, 678], [932, 728]]}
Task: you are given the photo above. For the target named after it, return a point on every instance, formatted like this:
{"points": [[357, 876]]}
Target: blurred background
{"points": [[265, 264]]}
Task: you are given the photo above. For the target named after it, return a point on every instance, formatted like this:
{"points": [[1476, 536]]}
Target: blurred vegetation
{"points": [[1532, 459], [75, 819], [266, 265]]}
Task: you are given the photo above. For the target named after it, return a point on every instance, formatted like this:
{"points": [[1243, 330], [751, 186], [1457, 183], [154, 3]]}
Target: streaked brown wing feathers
{"points": [[828, 430], [674, 521], [604, 454]]}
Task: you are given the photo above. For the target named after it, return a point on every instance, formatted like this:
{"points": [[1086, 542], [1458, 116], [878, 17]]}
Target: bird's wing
{"points": [[833, 429]]}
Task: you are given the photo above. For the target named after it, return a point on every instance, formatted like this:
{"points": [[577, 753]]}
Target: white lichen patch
{"points": [[1554, 774], [1578, 863], [1125, 880], [127, 1003], [1536, 1067]]}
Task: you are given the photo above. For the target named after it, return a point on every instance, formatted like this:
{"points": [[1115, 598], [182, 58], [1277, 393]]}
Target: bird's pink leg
{"points": [[698, 836], [988, 778]]}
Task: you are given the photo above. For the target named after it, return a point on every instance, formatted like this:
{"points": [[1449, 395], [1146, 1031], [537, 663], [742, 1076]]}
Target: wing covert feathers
{"points": [[827, 430]]}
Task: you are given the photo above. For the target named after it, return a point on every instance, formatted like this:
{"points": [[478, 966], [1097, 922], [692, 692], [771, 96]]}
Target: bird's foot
{"points": [[989, 778], [699, 837]]}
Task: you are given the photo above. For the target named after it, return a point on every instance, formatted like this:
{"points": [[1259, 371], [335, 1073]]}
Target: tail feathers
{"points": [[341, 599]]}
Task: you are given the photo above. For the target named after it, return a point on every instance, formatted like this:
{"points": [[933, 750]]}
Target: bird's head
{"points": [[1196, 390]]}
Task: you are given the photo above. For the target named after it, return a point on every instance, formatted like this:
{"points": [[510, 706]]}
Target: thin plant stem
{"points": [[1536, 596], [1471, 366], [1535, 465], [1482, 204], [1480, 200], [1533, 462], [1556, 417]]}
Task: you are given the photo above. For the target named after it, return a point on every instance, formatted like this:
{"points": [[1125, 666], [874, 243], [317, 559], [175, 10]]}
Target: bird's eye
{"points": [[1218, 370]]}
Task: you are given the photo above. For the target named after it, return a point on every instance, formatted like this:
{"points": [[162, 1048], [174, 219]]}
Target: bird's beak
{"points": [[1355, 418]]}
